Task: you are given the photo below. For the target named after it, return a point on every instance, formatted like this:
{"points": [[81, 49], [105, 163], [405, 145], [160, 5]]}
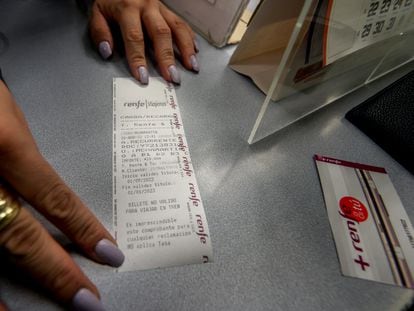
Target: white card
{"points": [[373, 235], [159, 217]]}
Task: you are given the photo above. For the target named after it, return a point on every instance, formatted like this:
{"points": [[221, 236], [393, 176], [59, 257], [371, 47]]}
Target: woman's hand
{"points": [[162, 27], [25, 241]]}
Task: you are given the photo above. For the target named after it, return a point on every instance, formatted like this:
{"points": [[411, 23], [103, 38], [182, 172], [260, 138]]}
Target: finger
{"points": [[183, 37], [160, 35], [130, 24], [36, 181], [32, 249], [164, 10], [195, 41], [100, 33]]}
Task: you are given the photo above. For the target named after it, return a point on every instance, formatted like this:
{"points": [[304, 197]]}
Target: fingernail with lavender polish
{"points": [[194, 63], [143, 74], [109, 253], [84, 300], [105, 49], [196, 46], [175, 75]]}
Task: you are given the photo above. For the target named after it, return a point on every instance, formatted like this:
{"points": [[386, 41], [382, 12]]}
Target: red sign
{"points": [[353, 209]]}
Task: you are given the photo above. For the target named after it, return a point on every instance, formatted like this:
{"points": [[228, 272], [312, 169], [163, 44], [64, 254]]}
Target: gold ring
{"points": [[9, 207]]}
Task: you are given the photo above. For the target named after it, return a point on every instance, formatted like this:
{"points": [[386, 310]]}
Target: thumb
{"points": [[100, 33]]}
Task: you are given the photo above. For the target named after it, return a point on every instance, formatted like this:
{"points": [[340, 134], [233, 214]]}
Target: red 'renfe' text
{"points": [[354, 212]]}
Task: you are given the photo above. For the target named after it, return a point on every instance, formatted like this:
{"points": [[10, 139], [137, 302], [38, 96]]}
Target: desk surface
{"points": [[273, 247]]}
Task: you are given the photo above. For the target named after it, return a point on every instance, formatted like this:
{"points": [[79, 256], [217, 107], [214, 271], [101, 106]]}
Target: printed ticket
{"points": [[373, 235], [159, 217]]}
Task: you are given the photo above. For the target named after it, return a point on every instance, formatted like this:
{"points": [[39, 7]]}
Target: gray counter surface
{"points": [[273, 247]]}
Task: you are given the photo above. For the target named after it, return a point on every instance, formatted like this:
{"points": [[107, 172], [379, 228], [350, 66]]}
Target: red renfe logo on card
{"points": [[353, 208]]}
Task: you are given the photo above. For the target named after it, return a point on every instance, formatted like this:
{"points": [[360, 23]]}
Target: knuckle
{"points": [[137, 58], [59, 202], [180, 25], [60, 277], [135, 36], [121, 6], [162, 31], [87, 232], [22, 239], [188, 46], [148, 3], [64, 209], [166, 54], [124, 4]]}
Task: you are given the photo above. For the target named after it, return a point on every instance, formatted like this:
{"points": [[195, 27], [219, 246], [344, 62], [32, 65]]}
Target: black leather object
{"points": [[388, 119]]}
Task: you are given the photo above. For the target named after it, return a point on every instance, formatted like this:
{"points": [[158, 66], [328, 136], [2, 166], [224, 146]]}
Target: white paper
{"points": [[159, 217]]}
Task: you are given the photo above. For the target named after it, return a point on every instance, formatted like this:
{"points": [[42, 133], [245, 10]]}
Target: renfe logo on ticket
{"points": [[159, 217], [373, 234]]}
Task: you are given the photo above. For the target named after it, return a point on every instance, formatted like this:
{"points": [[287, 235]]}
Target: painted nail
{"points": [[175, 75], [109, 253], [194, 63], [105, 49], [143, 74], [84, 300], [196, 46]]}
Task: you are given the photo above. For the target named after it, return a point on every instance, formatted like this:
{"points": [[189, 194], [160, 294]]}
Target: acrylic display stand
{"points": [[305, 81]]}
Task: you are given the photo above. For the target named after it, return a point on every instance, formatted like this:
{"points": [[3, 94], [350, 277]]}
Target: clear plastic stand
{"points": [[297, 90]]}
